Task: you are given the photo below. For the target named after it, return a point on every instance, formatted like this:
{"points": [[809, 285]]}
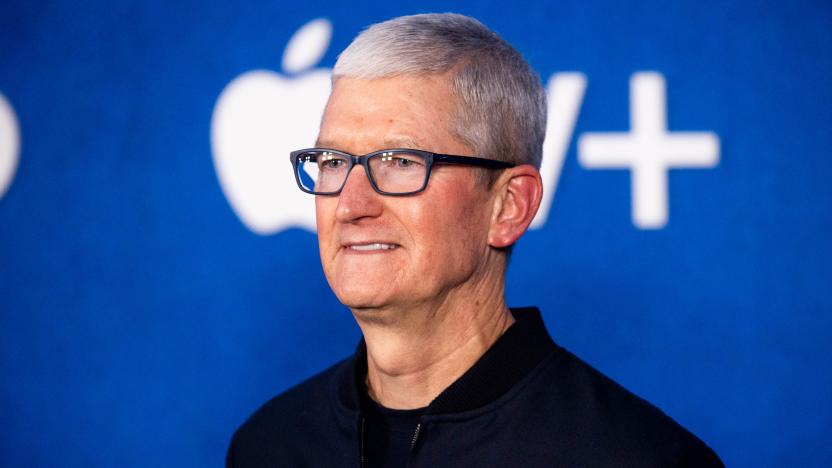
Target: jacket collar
{"points": [[519, 350]]}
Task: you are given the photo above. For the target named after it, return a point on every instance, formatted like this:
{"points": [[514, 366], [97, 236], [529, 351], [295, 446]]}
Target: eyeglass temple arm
{"points": [[471, 161]]}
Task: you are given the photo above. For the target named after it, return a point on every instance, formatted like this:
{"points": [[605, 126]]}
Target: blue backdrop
{"points": [[149, 302]]}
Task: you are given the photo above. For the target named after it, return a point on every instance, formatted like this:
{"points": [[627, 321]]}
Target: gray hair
{"points": [[501, 104]]}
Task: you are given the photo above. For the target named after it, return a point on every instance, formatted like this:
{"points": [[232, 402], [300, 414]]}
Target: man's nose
{"points": [[357, 199]]}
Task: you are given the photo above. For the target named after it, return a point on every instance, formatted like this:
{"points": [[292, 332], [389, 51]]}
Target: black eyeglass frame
{"points": [[430, 160]]}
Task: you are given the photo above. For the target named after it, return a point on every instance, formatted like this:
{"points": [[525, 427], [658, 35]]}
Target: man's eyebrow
{"points": [[325, 144], [402, 142], [387, 143]]}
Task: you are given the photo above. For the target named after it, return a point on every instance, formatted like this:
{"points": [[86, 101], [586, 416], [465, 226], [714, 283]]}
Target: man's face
{"points": [[438, 237]]}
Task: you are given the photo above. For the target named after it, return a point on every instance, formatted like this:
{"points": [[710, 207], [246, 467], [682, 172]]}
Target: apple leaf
{"points": [[307, 46]]}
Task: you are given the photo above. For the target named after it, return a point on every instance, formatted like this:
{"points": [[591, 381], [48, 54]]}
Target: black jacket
{"points": [[527, 402]]}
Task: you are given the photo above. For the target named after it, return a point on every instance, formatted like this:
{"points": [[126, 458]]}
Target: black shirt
{"points": [[526, 402], [389, 433]]}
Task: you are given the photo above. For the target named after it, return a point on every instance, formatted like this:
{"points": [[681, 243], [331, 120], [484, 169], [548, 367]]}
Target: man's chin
{"points": [[362, 301], [381, 317], [369, 306]]}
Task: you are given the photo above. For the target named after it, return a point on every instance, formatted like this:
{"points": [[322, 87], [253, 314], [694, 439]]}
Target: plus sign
{"points": [[648, 150]]}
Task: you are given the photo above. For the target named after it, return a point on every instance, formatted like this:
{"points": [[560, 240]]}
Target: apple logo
{"points": [[9, 144], [258, 119]]}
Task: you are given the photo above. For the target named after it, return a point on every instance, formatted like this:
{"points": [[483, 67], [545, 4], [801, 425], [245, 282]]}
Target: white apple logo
{"points": [[258, 119], [9, 144]]}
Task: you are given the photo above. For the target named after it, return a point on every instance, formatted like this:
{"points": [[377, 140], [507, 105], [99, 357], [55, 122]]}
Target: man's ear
{"points": [[518, 193]]}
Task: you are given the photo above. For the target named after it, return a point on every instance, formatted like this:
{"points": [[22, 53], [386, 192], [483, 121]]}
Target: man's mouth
{"points": [[371, 247]]}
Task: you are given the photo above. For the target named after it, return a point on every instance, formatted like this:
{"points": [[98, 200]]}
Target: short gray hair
{"points": [[501, 104]]}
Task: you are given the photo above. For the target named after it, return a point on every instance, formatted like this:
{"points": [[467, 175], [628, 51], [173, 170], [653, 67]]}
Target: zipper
{"points": [[361, 442], [413, 444], [415, 436]]}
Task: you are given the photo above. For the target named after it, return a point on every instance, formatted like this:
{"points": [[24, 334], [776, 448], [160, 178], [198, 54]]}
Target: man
{"points": [[425, 174]]}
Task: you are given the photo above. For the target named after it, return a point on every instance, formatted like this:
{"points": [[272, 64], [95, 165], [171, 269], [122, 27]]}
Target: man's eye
{"points": [[404, 163], [332, 163]]}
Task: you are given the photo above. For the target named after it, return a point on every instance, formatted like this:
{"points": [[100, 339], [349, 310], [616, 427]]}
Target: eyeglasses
{"points": [[322, 171]]}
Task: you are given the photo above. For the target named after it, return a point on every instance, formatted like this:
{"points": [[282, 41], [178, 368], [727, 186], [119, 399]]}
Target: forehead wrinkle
{"points": [[401, 112]]}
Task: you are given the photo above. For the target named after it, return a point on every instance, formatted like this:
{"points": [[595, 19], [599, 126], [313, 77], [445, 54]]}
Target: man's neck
{"points": [[412, 360]]}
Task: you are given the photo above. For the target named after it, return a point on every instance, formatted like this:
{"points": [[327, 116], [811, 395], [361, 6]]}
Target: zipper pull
{"points": [[415, 436]]}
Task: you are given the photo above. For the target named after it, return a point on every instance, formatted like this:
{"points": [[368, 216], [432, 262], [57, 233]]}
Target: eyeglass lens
{"points": [[392, 172]]}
